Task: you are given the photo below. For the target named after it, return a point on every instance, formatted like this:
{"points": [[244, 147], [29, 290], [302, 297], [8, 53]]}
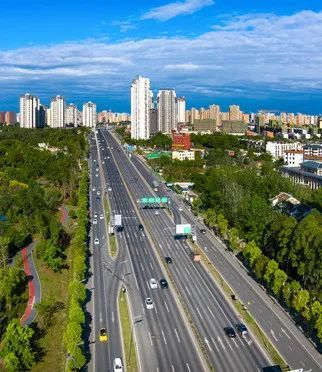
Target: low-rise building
{"points": [[183, 155], [308, 174], [181, 141], [293, 158], [278, 149]]}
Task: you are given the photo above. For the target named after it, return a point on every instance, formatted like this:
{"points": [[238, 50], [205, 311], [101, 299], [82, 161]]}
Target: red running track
{"points": [[31, 286]]}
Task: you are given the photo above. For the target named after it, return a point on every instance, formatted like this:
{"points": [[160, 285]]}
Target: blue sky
{"points": [[259, 54]]}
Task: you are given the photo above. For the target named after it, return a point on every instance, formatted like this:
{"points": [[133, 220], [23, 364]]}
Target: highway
{"points": [[283, 333], [204, 301], [163, 340]]}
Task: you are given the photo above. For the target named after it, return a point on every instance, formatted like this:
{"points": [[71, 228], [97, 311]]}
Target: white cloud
{"points": [[166, 12], [252, 53]]}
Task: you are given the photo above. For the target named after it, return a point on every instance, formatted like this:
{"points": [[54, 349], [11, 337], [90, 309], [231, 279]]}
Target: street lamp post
{"points": [[132, 329]]}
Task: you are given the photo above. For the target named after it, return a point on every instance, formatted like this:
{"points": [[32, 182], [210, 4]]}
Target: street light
{"points": [[132, 328]]}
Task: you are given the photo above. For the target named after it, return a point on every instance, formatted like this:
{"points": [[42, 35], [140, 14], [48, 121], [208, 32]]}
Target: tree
{"points": [[76, 313], [17, 344], [300, 300], [252, 253], [210, 218], [279, 279], [272, 266], [233, 238], [260, 266], [4, 251], [222, 224], [72, 336]]}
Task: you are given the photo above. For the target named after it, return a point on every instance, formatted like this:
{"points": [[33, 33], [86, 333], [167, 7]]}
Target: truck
{"points": [[155, 185]]}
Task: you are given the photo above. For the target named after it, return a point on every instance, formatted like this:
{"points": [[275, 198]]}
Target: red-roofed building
{"points": [[181, 141]]}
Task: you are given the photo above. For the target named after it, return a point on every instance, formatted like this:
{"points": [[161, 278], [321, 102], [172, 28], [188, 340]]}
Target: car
{"points": [[103, 335], [94, 221], [94, 160], [109, 189], [230, 332], [156, 212], [141, 228], [149, 303], [101, 216], [95, 215], [153, 283], [117, 365], [103, 162], [180, 209], [97, 169], [163, 283], [96, 241], [105, 157], [241, 328], [98, 198], [94, 189], [108, 157], [98, 193], [168, 260], [96, 175], [203, 231]]}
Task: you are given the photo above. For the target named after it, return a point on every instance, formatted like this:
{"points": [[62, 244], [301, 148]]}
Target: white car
{"points": [[109, 189], [117, 365], [105, 157], [94, 221], [96, 174], [96, 241], [94, 188], [156, 212], [153, 283], [103, 162], [95, 215], [101, 216], [94, 160], [98, 193], [180, 209], [149, 303]]}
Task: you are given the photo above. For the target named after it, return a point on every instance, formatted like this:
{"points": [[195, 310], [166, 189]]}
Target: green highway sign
{"points": [[151, 200], [164, 199]]}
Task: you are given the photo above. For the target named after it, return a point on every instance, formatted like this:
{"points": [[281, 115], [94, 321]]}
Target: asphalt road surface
{"points": [[204, 300]]}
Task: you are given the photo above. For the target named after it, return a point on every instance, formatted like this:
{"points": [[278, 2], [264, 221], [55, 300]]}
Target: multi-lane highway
{"points": [[204, 301], [164, 342], [287, 338]]}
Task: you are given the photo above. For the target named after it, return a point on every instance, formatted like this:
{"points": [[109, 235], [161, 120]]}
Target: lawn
{"points": [[128, 339], [54, 286]]}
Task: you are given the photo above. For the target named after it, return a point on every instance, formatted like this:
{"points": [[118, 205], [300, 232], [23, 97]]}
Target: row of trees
{"points": [[159, 140], [73, 335]]}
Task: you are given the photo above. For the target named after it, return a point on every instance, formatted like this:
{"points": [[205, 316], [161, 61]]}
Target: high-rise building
{"points": [[10, 118], [194, 115], [167, 111], [153, 121], [214, 113], [29, 111], [71, 115], [89, 115], [42, 115], [234, 113], [57, 112], [141, 103], [79, 117], [2, 117], [181, 109]]}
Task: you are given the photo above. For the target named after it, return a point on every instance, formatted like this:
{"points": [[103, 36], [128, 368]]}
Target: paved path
{"points": [[64, 218], [33, 285]]}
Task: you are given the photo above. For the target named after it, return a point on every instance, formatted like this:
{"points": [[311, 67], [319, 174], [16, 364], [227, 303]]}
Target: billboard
{"points": [[118, 220], [183, 229]]}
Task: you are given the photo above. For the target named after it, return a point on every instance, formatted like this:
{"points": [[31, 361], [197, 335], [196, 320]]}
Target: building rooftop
{"points": [[311, 165]]}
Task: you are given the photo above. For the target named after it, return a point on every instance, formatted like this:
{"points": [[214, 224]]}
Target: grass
{"points": [[54, 286], [249, 320], [111, 237], [127, 333]]}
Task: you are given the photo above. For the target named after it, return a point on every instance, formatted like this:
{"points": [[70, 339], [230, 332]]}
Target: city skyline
{"points": [[257, 56]]}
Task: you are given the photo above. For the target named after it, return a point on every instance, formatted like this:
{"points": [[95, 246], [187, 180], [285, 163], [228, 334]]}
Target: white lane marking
{"points": [[165, 341], [135, 235], [137, 252], [151, 265], [101, 318], [283, 330], [290, 347], [166, 306], [207, 343], [221, 343], [210, 311], [112, 317], [199, 313], [127, 235], [175, 331], [142, 267], [173, 370], [150, 339], [236, 343], [188, 367], [188, 292], [273, 335], [228, 343], [187, 271], [302, 363], [157, 369], [217, 348]]}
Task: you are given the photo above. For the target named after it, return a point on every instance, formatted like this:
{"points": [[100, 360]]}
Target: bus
{"points": [[155, 185]]}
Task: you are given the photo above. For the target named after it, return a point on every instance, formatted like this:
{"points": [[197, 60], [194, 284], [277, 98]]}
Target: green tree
{"points": [[210, 218], [17, 345], [4, 251], [233, 238], [252, 253], [279, 279], [271, 268], [260, 266], [301, 300], [222, 224]]}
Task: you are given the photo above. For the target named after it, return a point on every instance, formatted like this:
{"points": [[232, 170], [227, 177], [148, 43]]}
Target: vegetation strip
{"points": [[111, 237], [127, 333]]}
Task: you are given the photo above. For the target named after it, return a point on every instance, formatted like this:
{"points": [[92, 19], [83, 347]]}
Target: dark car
{"points": [[98, 198], [163, 283], [203, 231], [230, 332], [141, 228], [168, 260], [241, 328]]}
